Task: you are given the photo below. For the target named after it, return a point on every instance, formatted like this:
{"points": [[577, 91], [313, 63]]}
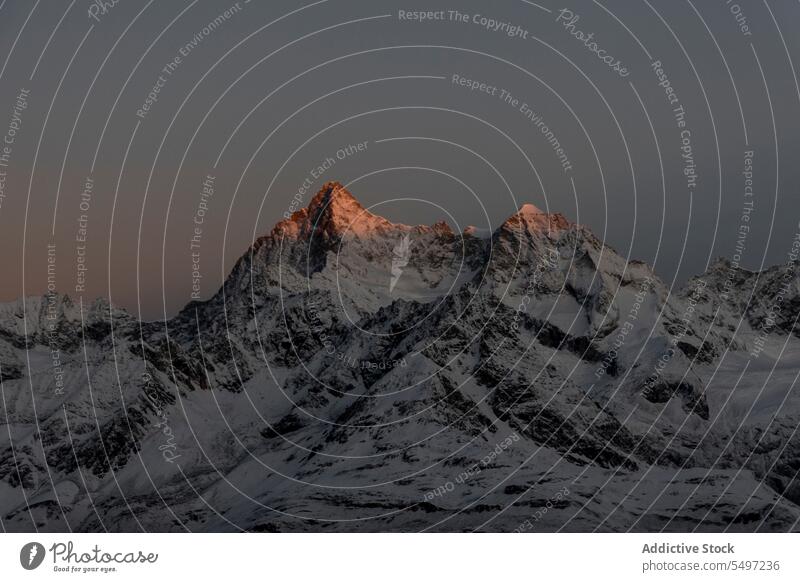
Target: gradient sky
{"points": [[271, 99]]}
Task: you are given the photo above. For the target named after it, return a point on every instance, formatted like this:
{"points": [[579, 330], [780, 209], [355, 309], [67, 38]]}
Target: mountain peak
{"points": [[335, 196], [335, 212], [532, 219], [332, 213], [529, 210]]}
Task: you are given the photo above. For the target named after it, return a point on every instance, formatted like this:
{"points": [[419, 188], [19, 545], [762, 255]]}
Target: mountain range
{"points": [[353, 374]]}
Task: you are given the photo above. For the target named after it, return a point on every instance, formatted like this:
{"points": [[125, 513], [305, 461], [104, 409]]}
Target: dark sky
{"points": [[274, 88]]}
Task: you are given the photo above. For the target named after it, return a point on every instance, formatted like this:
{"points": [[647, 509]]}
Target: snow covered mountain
{"points": [[358, 375]]}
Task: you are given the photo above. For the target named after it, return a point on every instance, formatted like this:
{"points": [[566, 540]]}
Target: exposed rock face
{"points": [[353, 374]]}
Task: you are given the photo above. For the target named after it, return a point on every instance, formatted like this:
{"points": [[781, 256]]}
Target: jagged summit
{"points": [[334, 198], [531, 219], [442, 228], [334, 212], [529, 210]]}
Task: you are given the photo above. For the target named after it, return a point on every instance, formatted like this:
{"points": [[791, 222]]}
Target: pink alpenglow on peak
{"points": [[336, 212], [533, 219], [333, 212], [529, 210]]}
